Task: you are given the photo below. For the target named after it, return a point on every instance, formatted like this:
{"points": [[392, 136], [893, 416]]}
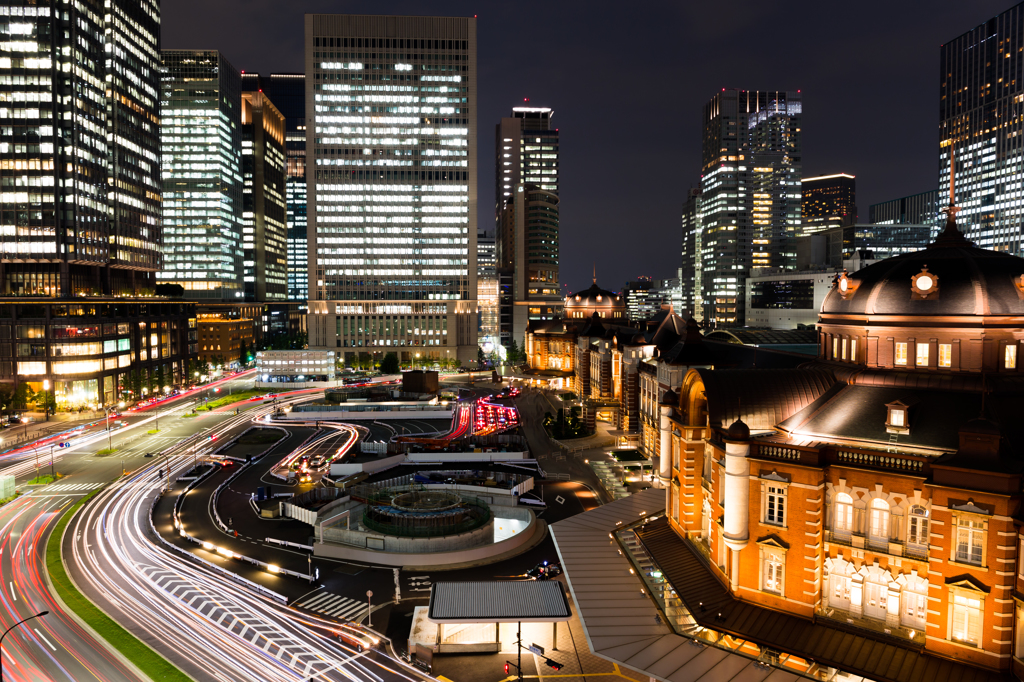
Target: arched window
{"points": [[879, 531], [917, 529], [914, 606], [705, 530], [843, 522]]}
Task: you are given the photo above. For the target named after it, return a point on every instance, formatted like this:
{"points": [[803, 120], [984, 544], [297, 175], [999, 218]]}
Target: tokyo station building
{"points": [[859, 516]]}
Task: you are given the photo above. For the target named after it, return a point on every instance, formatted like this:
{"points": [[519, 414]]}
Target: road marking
{"points": [[334, 605], [52, 647], [12, 591]]}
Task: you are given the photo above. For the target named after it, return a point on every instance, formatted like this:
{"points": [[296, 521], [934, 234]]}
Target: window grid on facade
{"points": [[970, 540], [901, 354], [775, 505], [945, 355]]}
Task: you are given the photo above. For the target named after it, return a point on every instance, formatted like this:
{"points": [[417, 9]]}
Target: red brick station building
{"points": [[859, 515]]}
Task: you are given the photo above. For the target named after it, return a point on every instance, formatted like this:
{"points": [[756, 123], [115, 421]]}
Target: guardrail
{"points": [[286, 543]]}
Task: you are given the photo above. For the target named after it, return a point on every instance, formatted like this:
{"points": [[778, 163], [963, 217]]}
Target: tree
{"points": [[514, 355], [480, 357], [47, 400], [22, 396], [170, 290], [243, 353], [456, 363], [6, 397], [390, 364]]}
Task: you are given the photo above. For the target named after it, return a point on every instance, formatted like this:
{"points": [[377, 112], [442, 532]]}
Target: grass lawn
{"points": [[106, 451], [153, 431], [42, 480], [230, 399], [189, 415], [148, 661]]}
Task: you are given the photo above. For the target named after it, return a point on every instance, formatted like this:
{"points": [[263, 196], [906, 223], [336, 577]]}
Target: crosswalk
{"points": [[69, 487], [334, 605]]}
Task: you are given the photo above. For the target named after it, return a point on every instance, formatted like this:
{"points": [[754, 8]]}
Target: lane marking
{"points": [[52, 647], [12, 591]]}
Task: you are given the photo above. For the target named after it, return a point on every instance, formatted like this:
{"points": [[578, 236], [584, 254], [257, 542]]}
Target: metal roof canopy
{"points": [[498, 601]]}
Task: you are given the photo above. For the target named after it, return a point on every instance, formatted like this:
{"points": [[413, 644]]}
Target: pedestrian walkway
{"points": [[334, 606], [67, 487]]}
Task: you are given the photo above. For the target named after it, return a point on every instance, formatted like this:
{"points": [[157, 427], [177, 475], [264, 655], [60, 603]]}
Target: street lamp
{"points": [[46, 398], [41, 613]]}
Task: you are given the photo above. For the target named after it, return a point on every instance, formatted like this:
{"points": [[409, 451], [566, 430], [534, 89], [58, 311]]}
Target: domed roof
{"points": [[595, 296], [949, 277], [738, 431]]}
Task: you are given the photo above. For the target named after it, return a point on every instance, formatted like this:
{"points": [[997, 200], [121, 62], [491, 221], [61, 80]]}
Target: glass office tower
{"points": [[392, 185], [80, 232], [750, 195], [980, 119], [201, 145], [288, 93]]}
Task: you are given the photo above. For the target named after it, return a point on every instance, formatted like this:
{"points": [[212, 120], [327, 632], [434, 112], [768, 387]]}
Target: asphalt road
{"points": [[55, 647]]}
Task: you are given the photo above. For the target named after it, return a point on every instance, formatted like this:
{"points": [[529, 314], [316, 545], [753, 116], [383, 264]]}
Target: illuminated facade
{"points": [[980, 95], [750, 195], [288, 93], [264, 212], [525, 150], [870, 497], [827, 201], [392, 184], [487, 292], [201, 140], [80, 231]]}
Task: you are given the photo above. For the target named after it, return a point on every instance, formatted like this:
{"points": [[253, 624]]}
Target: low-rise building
{"points": [[223, 341], [291, 366]]}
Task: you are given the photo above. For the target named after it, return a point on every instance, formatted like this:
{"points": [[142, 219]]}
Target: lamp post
{"points": [[46, 398], [41, 613]]}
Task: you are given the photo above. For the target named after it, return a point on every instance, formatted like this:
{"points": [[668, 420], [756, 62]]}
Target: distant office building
{"points": [[525, 150], [528, 248], [691, 274], [80, 222], [635, 294], [290, 366], [916, 209], [288, 93], [201, 145], [750, 195], [264, 230], [827, 201], [488, 337], [786, 300], [980, 94], [392, 198], [526, 184], [225, 341]]}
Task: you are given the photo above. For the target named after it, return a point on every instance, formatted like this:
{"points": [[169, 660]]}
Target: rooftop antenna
{"points": [[595, 272], [951, 235]]}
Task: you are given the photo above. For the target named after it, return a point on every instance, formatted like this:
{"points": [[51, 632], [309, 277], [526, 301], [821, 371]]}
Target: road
{"points": [[180, 607], [56, 647]]}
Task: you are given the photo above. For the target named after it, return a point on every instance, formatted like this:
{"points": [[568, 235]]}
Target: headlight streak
{"points": [[148, 584]]}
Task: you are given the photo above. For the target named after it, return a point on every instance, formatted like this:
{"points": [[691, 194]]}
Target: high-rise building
{"points": [[750, 194], [264, 214], [635, 293], [288, 93], [827, 201], [392, 184], [980, 94], [201, 141], [525, 150], [488, 337], [526, 184], [80, 232], [692, 270]]}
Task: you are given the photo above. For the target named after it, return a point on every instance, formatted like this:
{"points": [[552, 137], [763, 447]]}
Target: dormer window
{"points": [[897, 418]]}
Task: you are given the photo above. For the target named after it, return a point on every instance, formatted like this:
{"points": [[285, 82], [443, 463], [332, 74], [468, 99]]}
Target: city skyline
{"points": [[888, 159]]}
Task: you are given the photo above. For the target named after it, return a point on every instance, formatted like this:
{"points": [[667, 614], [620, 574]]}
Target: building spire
{"points": [[951, 234], [595, 272]]}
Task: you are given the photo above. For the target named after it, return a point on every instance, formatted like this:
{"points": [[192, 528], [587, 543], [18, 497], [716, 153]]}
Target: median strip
{"points": [[148, 661]]}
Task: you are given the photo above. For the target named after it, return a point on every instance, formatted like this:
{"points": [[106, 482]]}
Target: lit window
{"points": [[844, 514], [915, 609], [775, 505], [839, 596], [835, 347], [896, 417], [1010, 358], [922, 355], [945, 355], [970, 540], [880, 520], [876, 600], [853, 350], [844, 349], [901, 354], [966, 619], [917, 526], [773, 571]]}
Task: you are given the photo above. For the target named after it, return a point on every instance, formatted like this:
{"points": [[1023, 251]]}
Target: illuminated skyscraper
{"points": [[526, 182], [981, 117], [392, 185], [201, 139], [288, 93], [827, 201], [264, 215], [750, 195], [80, 231]]}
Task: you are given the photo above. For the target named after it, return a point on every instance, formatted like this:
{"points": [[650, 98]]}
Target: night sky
{"points": [[627, 89]]}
